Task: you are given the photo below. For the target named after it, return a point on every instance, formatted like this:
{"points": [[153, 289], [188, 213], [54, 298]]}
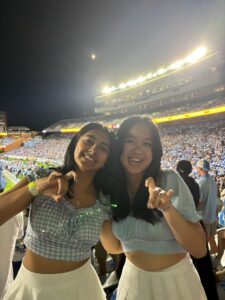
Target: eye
{"points": [[129, 141], [88, 141], [103, 148], [148, 144]]}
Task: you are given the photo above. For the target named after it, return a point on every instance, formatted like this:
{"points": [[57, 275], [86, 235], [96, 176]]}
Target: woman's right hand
{"points": [[55, 185]]}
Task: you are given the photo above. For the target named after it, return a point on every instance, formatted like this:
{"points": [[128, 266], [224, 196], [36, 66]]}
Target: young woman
{"points": [[155, 221], [60, 234]]}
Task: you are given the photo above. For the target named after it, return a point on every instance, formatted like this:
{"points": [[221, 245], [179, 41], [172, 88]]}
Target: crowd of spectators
{"points": [[195, 141], [190, 142], [6, 141], [49, 148]]}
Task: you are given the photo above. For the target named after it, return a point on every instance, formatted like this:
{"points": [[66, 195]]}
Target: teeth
{"points": [[89, 158], [135, 160]]}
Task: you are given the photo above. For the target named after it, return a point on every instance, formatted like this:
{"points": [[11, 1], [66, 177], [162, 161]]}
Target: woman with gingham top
{"points": [[64, 223]]}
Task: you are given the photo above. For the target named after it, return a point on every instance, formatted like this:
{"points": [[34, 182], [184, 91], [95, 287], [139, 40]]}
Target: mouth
{"points": [[89, 157], [135, 160]]}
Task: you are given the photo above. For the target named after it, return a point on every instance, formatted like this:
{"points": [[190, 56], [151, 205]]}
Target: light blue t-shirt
{"points": [[137, 234], [208, 198]]}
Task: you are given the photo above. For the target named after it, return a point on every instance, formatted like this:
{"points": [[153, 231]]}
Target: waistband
{"points": [[181, 267], [37, 279]]}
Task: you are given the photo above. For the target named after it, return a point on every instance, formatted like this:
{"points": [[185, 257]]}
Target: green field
{"points": [[9, 184]]}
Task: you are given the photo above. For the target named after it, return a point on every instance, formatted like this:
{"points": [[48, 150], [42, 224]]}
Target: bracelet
{"points": [[32, 188]]}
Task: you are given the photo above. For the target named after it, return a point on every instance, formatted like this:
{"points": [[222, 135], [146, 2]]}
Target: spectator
{"points": [[203, 265], [9, 233], [208, 202]]}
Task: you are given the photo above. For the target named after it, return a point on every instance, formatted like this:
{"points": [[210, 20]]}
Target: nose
{"points": [[137, 147], [92, 149]]}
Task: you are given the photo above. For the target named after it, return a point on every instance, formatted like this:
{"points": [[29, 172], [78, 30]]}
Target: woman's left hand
{"points": [[158, 198]]}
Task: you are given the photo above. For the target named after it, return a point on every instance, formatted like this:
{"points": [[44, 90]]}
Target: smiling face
{"points": [[137, 150], [92, 150]]}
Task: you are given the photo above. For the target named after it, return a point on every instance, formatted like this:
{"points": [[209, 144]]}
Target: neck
{"points": [[133, 183], [85, 180], [203, 173]]}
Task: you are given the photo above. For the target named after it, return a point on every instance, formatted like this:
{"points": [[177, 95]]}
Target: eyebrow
{"points": [[131, 136], [94, 138]]}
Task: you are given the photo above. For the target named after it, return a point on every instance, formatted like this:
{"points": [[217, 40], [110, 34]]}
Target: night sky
{"points": [[46, 73]]}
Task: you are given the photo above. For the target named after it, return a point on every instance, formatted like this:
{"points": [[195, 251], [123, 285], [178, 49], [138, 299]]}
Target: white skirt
{"points": [[179, 282], [80, 284]]}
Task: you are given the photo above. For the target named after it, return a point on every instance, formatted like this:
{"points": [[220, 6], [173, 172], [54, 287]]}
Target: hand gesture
{"points": [[158, 198], [55, 185]]}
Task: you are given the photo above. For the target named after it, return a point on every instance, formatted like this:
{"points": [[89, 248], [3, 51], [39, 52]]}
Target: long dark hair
{"points": [[138, 208], [102, 179]]}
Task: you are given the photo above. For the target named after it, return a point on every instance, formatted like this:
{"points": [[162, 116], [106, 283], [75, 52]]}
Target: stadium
{"points": [[185, 98]]}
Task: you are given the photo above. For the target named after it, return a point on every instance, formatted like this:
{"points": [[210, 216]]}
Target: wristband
{"points": [[32, 188]]}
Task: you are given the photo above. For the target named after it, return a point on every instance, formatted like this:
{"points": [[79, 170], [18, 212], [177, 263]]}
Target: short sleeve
{"points": [[182, 198], [106, 205]]}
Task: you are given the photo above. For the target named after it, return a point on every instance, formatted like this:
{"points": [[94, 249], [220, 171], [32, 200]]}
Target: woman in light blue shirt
{"points": [[155, 222]]}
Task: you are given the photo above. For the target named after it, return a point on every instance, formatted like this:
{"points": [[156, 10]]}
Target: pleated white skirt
{"points": [[179, 282], [80, 284]]}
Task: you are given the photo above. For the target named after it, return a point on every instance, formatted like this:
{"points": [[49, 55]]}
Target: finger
{"points": [[55, 174], [164, 201], [157, 196], [71, 175], [153, 194], [170, 193], [62, 187], [150, 183], [57, 198]]}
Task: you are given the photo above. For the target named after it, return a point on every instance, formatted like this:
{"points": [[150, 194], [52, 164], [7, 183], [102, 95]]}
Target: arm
{"points": [[189, 235], [109, 241], [201, 202], [13, 202], [21, 183], [19, 197]]}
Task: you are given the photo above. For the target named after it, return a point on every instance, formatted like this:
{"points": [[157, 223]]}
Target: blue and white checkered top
{"points": [[57, 230]]}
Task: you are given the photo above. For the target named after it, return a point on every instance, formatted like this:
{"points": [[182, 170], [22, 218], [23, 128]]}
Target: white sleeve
{"points": [[8, 236]]}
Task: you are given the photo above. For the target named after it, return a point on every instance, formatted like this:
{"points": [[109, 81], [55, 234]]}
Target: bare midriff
{"points": [[151, 262], [42, 265]]}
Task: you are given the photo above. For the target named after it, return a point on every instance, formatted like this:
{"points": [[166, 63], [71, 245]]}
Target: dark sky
{"points": [[46, 73]]}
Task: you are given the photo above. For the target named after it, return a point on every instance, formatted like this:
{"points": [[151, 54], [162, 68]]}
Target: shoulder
{"points": [[104, 198], [105, 204], [172, 180], [169, 176]]}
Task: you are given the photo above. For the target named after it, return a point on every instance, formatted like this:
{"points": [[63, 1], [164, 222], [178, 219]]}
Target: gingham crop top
{"points": [[57, 230], [136, 234], [60, 231]]}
